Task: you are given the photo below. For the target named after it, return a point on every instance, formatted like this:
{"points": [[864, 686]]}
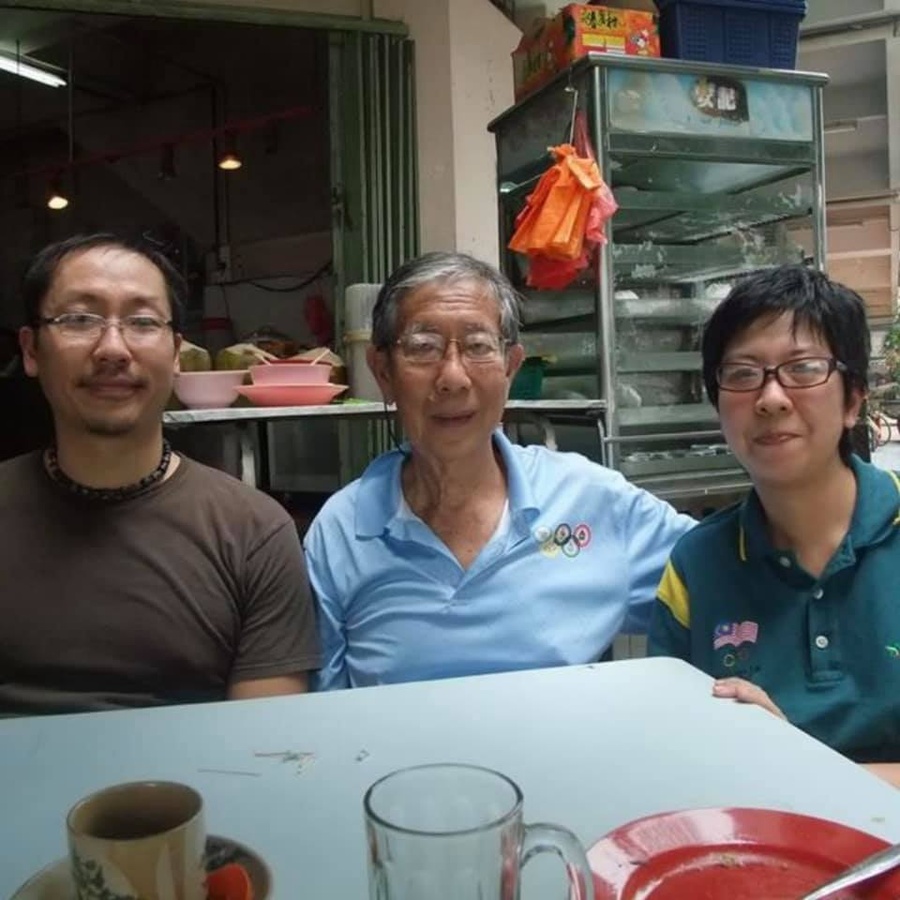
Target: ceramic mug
{"points": [[455, 832], [144, 840]]}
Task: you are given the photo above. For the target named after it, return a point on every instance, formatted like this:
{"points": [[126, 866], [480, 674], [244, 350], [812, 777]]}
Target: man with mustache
{"points": [[129, 575], [788, 598]]}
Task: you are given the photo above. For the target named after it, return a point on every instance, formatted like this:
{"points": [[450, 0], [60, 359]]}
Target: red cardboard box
{"points": [[553, 44]]}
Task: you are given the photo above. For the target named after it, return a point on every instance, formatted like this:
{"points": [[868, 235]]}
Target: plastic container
{"points": [[208, 390], [760, 33], [529, 380], [290, 373], [359, 301]]}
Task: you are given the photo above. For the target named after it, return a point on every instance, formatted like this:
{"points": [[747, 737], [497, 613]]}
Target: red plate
{"points": [[731, 854]]}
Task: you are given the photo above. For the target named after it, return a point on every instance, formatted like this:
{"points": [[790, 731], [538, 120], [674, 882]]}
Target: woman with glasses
{"points": [[460, 553], [788, 599]]}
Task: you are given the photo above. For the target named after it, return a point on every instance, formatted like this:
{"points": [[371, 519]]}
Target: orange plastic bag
{"points": [[556, 212], [564, 216]]}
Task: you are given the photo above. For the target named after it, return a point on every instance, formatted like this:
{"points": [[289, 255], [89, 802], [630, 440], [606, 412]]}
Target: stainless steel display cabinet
{"points": [[717, 172]]}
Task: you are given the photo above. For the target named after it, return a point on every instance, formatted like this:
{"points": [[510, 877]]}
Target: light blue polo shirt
{"points": [[578, 561], [826, 649]]}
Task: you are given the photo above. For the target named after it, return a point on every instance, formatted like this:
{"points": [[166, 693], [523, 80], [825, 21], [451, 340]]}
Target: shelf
{"points": [[663, 311], [629, 363], [662, 416], [672, 216], [675, 263], [716, 173], [677, 465], [770, 158], [555, 306], [696, 484]]}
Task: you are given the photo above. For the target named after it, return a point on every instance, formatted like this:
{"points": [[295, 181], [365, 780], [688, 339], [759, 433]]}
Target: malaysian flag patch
{"points": [[735, 634]]}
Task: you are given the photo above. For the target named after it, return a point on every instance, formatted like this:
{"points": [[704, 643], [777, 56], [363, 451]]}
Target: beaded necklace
{"points": [[107, 495]]}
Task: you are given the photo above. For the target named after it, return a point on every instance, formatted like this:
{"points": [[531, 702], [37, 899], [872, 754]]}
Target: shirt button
{"points": [[784, 561], [817, 594], [822, 642]]}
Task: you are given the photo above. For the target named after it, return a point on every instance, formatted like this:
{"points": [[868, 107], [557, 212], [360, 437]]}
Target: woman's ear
{"points": [[379, 363], [854, 406]]}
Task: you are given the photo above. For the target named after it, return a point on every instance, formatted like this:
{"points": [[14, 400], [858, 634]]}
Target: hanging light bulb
{"points": [[56, 196], [229, 160]]}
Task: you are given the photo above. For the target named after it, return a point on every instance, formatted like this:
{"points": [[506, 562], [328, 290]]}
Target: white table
{"points": [[591, 746], [251, 424]]}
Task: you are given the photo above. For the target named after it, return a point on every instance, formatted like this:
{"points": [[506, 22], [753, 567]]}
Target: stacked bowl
{"points": [[291, 383], [209, 390]]}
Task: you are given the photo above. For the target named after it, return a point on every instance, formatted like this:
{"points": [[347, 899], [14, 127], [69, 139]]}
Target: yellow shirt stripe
{"points": [[896, 485], [674, 594]]}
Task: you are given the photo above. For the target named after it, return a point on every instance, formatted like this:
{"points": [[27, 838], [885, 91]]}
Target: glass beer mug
{"points": [[455, 832]]}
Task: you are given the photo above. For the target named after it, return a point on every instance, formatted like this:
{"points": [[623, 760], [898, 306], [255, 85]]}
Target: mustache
{"points": [[106, 380], [111, 372]]}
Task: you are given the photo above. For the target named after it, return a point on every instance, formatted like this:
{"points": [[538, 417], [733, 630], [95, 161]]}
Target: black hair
{"points": [[43, 268], [831, 311]]}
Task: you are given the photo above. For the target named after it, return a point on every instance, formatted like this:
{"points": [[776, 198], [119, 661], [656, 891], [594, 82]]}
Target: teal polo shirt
{"points": [[826, 649]]}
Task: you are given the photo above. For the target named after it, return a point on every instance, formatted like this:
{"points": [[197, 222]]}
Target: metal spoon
{"points": [[876, 864]]}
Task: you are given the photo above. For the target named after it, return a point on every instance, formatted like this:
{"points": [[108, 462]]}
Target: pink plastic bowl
{"points": [[209, 390], [291, 394], [291, 373]]}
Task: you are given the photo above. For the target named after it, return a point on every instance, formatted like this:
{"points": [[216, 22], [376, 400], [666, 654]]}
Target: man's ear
{"points": [[28, 345], [515, 355], [379, 363]]}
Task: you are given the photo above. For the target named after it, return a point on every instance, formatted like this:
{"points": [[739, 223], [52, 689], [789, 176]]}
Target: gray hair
{"points": [[442, 267]]}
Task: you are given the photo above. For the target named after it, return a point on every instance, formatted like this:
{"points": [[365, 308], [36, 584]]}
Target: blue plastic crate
{"points": [[737, 32]]}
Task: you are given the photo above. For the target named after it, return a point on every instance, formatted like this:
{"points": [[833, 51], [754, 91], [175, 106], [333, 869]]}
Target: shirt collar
{"points": [[379, 494], [875, 516]]}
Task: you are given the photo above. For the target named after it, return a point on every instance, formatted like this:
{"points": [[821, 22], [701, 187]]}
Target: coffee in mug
{"points": [[144, 840]]}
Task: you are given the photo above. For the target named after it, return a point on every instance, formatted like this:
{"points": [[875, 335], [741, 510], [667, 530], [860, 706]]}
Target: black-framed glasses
{"points": [[807, 372], [88, 327], [427, 348]]}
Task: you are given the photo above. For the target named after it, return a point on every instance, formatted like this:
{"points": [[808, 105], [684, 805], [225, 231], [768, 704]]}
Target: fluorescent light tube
{"points": [[28, 70]]}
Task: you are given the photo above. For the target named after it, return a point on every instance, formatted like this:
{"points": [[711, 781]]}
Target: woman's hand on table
{"points": [[889, 772], [746, 692]]}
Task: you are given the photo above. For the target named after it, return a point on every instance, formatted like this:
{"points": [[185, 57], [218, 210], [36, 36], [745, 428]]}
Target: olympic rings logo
{"points": [[563, 539]]}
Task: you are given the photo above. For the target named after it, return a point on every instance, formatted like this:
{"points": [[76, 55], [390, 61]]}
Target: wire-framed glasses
{"points": [[426, 348], [807, 372], [88, 327]]}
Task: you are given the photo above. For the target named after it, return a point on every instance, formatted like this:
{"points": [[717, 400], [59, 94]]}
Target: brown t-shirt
{"points": [[165, 598]]}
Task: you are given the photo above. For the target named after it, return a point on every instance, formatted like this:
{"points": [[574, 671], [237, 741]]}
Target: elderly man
{"points": [[130, 576], [461, 553]]}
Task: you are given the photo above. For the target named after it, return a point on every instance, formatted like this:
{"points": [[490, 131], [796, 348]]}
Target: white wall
{"points": [[481, 41], [463, 80], [429, 25], [820, 11]]}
